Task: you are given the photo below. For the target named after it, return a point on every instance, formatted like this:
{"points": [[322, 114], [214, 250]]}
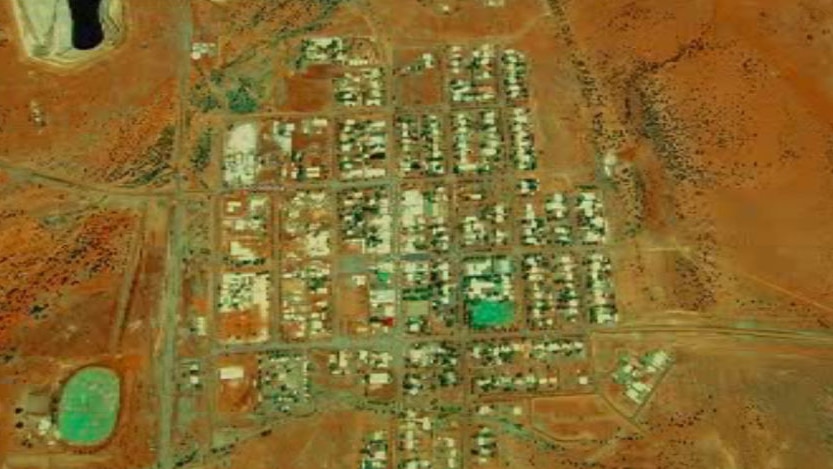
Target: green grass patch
{"points": [[89, 406], [488, 313]]}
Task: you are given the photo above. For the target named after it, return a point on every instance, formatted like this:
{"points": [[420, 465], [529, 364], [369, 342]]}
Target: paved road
{"points": [[808, 337]]}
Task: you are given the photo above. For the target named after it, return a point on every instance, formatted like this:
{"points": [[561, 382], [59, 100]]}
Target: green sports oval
{"points": [[89, 406]]}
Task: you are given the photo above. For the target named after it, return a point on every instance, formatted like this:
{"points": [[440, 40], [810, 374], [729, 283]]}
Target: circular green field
{"points": [[89, 406]]}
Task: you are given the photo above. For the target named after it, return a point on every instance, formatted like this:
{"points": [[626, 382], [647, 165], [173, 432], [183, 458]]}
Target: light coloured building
{"points": [[241, 164]]}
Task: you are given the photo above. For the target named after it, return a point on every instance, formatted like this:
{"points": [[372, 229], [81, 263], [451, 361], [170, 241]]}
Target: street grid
{"points": [[500, 184]]}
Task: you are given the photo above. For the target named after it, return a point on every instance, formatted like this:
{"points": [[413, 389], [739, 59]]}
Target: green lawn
{"points": [[492, 313], [89, 406]]}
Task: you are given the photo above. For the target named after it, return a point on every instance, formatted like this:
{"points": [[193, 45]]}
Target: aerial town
{"points": [[414, 255], [415, 234]]}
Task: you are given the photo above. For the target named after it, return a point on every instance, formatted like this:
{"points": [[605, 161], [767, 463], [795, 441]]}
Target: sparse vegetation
{"points": [[241, 100], [153, 167], [201, 154]]}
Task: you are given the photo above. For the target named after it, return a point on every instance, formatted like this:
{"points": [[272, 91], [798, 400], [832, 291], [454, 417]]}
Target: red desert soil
{"points": [[98, 119], [730, 404], [727, 118], [68, 261], [423, 20], [305, 443], [59, 253], [575, 418]]}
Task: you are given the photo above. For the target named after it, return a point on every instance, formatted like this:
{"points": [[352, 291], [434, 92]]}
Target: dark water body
{"points": [[87, 32]]}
